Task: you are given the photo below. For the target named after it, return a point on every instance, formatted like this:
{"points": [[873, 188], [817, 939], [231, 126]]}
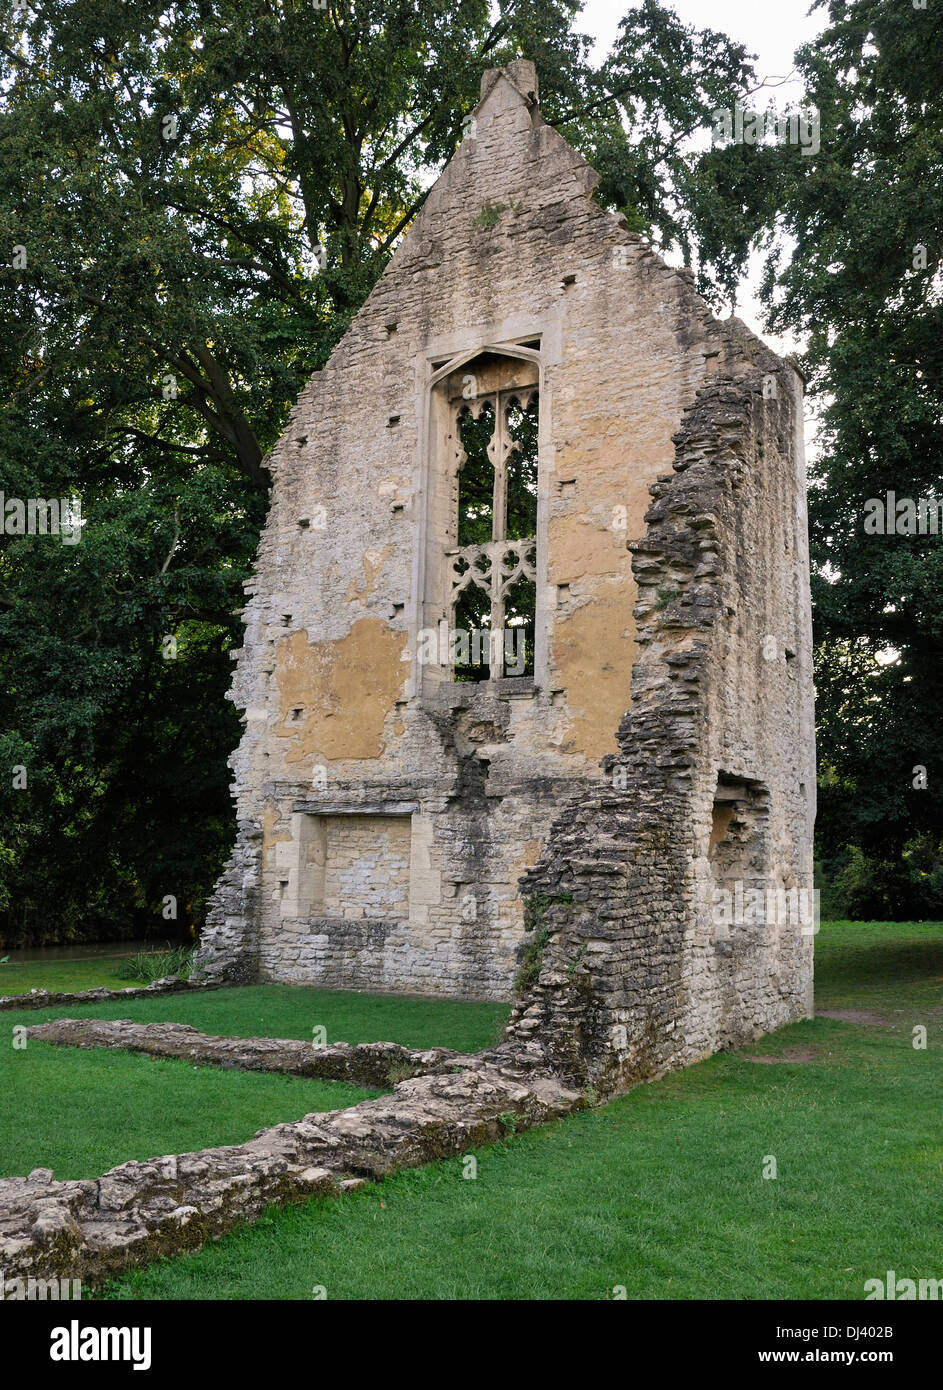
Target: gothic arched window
{"points": [[492, 570]]}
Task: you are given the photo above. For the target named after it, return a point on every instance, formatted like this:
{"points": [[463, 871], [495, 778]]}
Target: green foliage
{"points": [[539, 932], [531, 959], [490, 215], [7, 860], [667, 79], [148, 966], [399, 1071], [876, 360], [863, 215], [858, 887], [206, 194], [536, 906]]}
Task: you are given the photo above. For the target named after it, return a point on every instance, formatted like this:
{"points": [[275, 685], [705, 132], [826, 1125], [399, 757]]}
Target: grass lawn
{"points": [[288, 1011], [662, 1190], [894, 968], [81, 1113], [66, 976]]}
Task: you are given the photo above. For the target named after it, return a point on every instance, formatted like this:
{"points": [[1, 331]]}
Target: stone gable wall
{"points": [[511, 248]]}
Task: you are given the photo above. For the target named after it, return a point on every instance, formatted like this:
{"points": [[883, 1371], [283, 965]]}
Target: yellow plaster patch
{"points": [[272, 817], [526, 859], [344, 689], [579, 547], [593, 662]]}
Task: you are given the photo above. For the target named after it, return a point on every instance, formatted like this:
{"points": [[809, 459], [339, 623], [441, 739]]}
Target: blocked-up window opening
{"points": [[350, 866], [493, 571], [366, 866], [736, 854]]}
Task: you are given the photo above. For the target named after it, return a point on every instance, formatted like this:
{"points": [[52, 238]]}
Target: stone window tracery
{"points": [[492, 569]]}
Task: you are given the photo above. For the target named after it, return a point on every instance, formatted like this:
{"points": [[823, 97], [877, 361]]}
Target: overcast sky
{"points": [[772, 29]]}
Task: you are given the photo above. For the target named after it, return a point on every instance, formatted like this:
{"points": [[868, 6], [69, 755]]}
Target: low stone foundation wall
{"points": [[378, 1064], [137, 1212], [45, 999]]}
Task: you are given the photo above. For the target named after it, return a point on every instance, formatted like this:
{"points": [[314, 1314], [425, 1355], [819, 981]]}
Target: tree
{"points": [[204, 194], [863, 283]]}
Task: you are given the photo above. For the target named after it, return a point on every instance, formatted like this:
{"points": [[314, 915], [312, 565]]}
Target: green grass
{"points": [[887, 967], [660, 1191], [80, 1113], [65, 976], [287, 1011]]}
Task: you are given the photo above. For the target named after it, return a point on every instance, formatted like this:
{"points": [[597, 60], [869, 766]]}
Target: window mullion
{"points": [[502, 447]]}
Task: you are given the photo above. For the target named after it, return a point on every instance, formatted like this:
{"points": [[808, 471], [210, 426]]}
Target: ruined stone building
{"points": [[532, 602]]}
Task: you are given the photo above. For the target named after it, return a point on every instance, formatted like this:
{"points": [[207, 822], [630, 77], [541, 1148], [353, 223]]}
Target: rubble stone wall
{"points": [[714, 782]]}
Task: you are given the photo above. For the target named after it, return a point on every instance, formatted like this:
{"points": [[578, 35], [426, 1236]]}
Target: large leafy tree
{"points": [[204, 193], [865, 284], [857, 270]]}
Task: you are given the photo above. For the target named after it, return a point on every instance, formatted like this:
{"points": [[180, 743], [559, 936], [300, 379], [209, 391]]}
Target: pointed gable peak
{"points": [[521, 74]]}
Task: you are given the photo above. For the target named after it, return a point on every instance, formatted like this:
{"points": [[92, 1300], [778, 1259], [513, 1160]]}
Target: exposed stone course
{"points": [[364, 1064], [45, 999]]}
